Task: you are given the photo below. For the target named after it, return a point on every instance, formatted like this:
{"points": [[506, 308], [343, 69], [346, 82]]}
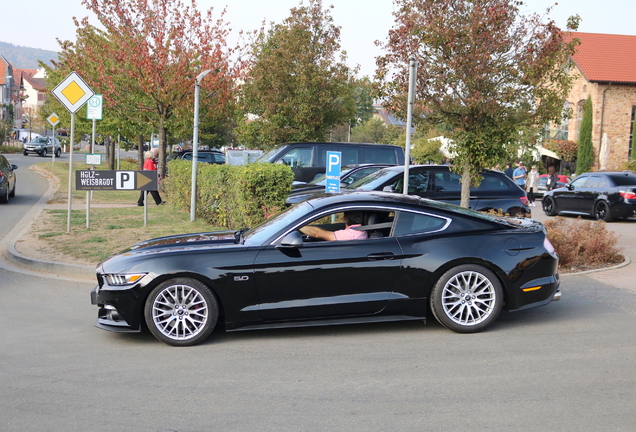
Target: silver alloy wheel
{"points": [[180, 312], [468, 298]]}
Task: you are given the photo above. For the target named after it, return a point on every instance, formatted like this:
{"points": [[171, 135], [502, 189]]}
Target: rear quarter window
{"points": [[417, 223]]}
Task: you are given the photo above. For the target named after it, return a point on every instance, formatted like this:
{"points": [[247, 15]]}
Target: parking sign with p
{"points": [[332, 183]]}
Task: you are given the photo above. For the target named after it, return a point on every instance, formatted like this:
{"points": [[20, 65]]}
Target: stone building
{"points": [[605, 69]]}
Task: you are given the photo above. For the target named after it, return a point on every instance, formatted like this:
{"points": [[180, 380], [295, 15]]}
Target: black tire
{"points": [[4, 198], [25, 153], [181, 312], [44, 152], [58, 152], [467, 298], [12, 193], [603, 212], [549, 206]]}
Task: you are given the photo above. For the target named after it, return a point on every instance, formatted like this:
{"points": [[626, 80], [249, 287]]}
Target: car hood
{"points": [[174, 244]]}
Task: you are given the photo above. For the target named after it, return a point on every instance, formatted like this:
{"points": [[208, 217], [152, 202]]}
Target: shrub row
{"points": [[230, 196]]}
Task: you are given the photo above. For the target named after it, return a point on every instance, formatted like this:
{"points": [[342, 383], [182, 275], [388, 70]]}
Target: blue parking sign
{"points": [[332, 183]]}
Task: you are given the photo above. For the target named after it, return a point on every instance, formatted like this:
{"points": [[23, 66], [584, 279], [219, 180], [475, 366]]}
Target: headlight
{"points": [[123, 279]]}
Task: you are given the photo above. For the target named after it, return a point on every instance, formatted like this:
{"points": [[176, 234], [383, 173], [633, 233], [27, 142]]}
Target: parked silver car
{"points": [[42, 146]]}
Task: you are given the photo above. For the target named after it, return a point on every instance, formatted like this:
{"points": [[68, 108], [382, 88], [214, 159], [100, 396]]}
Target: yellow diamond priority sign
{"points": [[73, 92], [53, 119]]}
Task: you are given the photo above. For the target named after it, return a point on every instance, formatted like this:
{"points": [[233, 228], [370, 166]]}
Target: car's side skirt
{"points": [[327, 322]]}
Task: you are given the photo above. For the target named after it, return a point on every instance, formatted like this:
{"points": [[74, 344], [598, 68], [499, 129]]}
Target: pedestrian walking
{"points": [[150, 164], [531, 184]]}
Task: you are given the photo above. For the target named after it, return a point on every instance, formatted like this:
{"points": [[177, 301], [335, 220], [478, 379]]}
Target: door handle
{"points": [[380, 256]]}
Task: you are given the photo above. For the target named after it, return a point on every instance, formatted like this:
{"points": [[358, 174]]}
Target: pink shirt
{"points": [[350, 234]]}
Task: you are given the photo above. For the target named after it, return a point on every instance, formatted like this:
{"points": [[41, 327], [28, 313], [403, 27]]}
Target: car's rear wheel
{"points": [[467, 298], [548, 206], [58, 152], [181, 312], [602, 212]]}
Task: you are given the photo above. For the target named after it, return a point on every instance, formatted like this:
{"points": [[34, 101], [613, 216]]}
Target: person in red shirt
{"points": [[150, 164]]}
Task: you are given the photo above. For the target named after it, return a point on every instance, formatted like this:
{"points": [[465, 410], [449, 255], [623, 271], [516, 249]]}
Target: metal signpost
{"points": [[53, 119], [73, 93], [332, 180], [93, 112]]}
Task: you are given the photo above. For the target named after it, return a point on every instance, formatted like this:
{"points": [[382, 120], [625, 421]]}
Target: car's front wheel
{"points": [[25, 153], [467, 298], [549, 206], [181, 312], [44, 152], [602, 212]]}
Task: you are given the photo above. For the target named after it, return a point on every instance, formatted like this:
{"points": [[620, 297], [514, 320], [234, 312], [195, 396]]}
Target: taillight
{"points": [[1, 174], [548, 245], [524, 200], [628, 194]]}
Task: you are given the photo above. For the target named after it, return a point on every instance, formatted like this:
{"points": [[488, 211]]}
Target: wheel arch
{"points": [[212, 286], [498, 272]]}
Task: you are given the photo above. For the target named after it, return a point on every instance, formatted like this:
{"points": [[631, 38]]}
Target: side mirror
{"points": [[14, 167], [292, 240], [569, 186], [388, 189]]}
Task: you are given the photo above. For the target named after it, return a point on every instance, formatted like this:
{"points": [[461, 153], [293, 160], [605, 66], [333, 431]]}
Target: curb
{"points": [[617, 266], [49, 267]]}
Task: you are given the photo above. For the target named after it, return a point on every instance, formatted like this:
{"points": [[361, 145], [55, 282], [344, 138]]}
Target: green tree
{"points": [[485, 71], [585, 155], [374, 131], [146, 59], [297, 90]]}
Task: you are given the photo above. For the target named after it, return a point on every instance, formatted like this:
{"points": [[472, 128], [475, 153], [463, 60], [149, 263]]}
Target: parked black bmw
{"points": [[412, 257], [495, 192], [603, 195]]}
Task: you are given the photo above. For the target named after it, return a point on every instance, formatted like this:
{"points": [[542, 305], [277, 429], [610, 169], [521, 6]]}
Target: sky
{"points": [[37, 23]]}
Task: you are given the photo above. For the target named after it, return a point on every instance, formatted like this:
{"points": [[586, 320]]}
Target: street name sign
{"points": [[116, 180], [73, 92]]}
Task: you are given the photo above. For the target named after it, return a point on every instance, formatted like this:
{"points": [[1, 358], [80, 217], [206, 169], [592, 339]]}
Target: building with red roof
{"points": [[605, 69]]}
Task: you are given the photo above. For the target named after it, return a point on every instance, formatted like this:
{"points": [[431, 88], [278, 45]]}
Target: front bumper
{"points": [[118, 310]]}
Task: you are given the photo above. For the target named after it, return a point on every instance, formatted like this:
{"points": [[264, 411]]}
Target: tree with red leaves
{"points": [[146, 58], [485, 72]]}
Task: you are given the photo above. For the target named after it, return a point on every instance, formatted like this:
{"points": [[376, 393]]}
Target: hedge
{"points": [[230, 196]]}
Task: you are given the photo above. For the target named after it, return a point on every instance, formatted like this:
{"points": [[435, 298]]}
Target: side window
{"points": [[413, 223], [579, 182], [379, 155], [348, 155], [359, 174], [492, 182], [446, 181], [297, 157], [595, 182], [418, 182]]}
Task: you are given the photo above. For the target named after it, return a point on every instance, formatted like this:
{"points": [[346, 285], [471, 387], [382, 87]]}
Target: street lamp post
{"points": [[195, 144]]}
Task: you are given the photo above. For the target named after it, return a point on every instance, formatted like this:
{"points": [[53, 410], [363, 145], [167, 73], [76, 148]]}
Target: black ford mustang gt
{"points": [[418, 255]]}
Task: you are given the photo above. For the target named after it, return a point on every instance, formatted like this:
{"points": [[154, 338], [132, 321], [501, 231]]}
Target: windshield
{"points": [[268, 229], [39, 140], [266, 157]]}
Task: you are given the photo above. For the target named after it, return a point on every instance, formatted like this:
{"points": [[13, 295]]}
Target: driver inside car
{"points": [[352, 220]]}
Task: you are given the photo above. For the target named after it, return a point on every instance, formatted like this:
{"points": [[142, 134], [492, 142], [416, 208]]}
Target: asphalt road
{"points": [[564, 367]]}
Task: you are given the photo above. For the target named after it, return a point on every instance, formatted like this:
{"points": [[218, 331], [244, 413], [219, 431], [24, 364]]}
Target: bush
{"points": [[582, 243], [235, 197]]}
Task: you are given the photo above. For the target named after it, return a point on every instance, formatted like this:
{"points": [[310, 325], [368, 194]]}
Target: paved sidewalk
{"points": [[621, 276]]}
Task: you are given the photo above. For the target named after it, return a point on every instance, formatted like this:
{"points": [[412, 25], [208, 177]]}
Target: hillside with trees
{"points": [[24, 57]]}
